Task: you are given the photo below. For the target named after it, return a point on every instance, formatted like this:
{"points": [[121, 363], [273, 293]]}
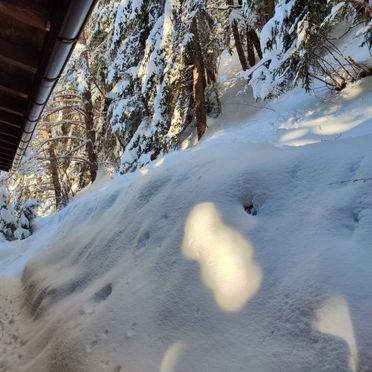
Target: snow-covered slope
{"points": [[248, 252]]}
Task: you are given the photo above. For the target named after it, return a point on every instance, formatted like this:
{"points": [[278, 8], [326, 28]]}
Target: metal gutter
{"points": [[58, 50]]}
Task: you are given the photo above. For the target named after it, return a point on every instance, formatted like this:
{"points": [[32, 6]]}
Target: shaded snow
{"points": [[168, 269]]}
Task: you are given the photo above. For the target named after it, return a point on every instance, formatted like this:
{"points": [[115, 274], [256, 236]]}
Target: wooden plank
{"points": [[2, 123], [4, 168], [8, 153], [21, 34], [23, 57], [4, 155], [27, 12], [9, 141], [14, 91], [15, 81], [8, 135], [9, 147], [5, 162], [12, 104], [11, 119], [7, 130]]}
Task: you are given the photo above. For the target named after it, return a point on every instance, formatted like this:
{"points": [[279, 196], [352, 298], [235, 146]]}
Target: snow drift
{"points": [[230, 256]]}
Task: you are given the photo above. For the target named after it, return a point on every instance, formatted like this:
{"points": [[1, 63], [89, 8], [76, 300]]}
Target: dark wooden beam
{"points": [[15, 82], [11, 119], [5, 161], [12, 104], [9, 135], [9, 125], [8, 153], [5, 164], [14, 91], [26, 11], [9, 141], [4, 168], [23, 57], [6, 130], [20, 33], [4, 155], [9, 147]]}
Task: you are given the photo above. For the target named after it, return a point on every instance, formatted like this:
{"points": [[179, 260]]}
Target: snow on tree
{"points": [[16, 223], [144, 77], [243, 20], [25, 220], [298, 48], [151, 74], [7, 218]]}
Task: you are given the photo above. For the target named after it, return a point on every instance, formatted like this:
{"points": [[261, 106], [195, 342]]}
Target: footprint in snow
{"points": [[131, 331], [102, 294], [98, 297]]}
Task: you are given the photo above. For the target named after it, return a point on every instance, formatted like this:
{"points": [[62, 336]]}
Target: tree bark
{"points": [[211, 76], [60, 201], [198, 82], [256, 42], [363, 8], [269, 9], [238, 41], [251, 57], [89, 120], [90, 134]]}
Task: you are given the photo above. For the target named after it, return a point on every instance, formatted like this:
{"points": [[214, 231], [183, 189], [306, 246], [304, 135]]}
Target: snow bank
{"points": [[230, 256]]}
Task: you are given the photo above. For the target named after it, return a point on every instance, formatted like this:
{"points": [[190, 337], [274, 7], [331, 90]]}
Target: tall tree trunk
{"points": [[256, 42], [90, 134], [53, 169], [89, 120], [211, 76], [198, 82], [238, 41], [269, 9], [251, 57]]}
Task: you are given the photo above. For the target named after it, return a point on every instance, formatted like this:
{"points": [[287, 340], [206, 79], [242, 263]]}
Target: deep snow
{"points": [[249, 252]]}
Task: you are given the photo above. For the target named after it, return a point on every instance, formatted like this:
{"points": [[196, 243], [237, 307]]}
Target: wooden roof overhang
{"points": [[36, 41]]}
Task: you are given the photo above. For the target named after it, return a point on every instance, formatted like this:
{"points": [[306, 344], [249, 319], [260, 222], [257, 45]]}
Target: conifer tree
{"points": [[298, 49], [7, 218], [26, 218], [156, 99]]}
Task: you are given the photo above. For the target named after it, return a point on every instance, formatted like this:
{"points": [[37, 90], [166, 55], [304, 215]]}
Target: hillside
{"points": [[196, 196], [249, 251]]}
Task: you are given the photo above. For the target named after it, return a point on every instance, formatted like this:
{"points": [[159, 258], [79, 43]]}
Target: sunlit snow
{"points": [[169, 269]]}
